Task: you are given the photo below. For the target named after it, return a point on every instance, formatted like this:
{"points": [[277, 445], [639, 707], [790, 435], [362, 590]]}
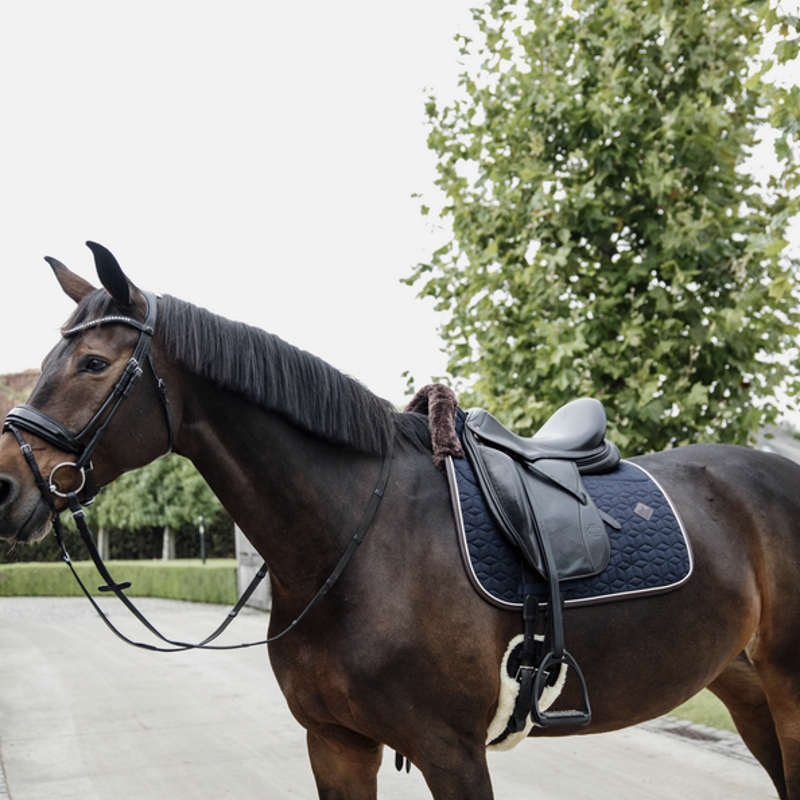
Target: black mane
{"points": [[269, 372], [274, 375]]}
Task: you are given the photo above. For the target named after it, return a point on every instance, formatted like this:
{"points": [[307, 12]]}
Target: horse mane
{"points": [[296, 385], [265, 370]]}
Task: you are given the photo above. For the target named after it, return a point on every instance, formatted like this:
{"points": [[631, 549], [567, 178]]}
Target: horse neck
{"points": [[297, 498]]}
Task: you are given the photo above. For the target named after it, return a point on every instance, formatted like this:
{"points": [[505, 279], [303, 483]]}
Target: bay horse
{"points": [[402, 652]]}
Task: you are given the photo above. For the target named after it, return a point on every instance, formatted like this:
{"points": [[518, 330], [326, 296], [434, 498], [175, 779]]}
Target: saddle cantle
{"points": [[534, 490]]}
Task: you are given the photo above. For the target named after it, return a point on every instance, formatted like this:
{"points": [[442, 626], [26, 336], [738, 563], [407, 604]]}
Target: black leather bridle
{"points": [[82, 445]]}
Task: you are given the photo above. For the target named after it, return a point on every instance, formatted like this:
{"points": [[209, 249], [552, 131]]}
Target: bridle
{"points": [[82, 445]]}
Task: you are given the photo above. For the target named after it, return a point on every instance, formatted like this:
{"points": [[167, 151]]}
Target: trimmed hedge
{"points": [[190, 579], [124, 545]]}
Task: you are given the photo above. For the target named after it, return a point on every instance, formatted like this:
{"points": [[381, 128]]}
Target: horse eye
{"points": [[95, 365]]}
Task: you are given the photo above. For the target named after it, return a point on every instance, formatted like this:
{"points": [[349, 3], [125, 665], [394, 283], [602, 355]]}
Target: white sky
{"points": [[254, 157]]}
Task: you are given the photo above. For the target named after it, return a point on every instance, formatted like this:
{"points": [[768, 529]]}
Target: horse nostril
{"points": [[7, 489]]}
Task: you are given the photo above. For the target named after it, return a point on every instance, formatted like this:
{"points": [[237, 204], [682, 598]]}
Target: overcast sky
{"points": [[255, 158]]}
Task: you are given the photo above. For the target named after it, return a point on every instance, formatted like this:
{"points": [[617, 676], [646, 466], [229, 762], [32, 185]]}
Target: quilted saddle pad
{"points": [[650, 554]]}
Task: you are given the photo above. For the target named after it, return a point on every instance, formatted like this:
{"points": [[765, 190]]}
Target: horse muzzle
{"points": [[24, 514]]}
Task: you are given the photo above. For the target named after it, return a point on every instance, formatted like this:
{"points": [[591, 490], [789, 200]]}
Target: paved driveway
{"points": [[85, 716]]}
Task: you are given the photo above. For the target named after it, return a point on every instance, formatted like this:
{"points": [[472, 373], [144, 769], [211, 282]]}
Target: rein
{"points": [[32, 420]]}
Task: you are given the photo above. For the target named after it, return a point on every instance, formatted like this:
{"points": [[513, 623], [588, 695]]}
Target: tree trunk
{"points": [[168, 547]]}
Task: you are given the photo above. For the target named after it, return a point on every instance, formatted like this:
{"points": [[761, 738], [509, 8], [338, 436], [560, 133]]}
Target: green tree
{"points": [[170, 492], [607, 239]]}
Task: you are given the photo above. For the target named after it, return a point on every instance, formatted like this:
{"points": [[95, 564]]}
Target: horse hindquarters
{"points": [[762, 686], [774, 652]]}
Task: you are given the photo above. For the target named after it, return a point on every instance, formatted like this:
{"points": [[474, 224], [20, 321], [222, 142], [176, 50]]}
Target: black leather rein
{"points": [[82, 445]]}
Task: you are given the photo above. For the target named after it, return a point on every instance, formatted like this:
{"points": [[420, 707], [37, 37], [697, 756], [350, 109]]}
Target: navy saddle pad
{"points": [[650, 554]]}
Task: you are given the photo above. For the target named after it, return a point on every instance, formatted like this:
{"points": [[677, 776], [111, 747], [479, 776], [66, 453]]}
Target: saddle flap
{"points": [[573, 526], [500, 481], [548, 499]]}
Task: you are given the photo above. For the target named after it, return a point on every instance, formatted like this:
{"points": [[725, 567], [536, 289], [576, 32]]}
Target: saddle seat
{"points": [[576, 432]]}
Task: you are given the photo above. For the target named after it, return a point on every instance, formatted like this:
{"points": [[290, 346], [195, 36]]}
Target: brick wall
{"points": [[15, 388]]}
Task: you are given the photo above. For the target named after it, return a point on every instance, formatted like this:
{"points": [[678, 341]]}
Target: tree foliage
{"points": [[607, 239], [170, 492]]}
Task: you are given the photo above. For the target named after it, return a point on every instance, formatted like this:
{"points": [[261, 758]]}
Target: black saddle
{"points": [[534, 491]]}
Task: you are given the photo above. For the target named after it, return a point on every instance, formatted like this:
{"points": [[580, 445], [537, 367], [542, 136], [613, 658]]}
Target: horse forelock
{"points": [[94, 306], [279, 377]]}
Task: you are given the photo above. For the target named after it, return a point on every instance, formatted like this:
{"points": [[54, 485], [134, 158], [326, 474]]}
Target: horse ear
{"points": [[75, 287], [111, 275]]}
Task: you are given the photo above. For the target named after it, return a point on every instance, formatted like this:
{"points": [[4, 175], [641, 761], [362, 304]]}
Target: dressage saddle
{"points": [[534, 492], [534, 489]]}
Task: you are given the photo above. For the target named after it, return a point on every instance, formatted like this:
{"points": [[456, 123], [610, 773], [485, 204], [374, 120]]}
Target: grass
{"points": [[189, 579], [706, 709]]}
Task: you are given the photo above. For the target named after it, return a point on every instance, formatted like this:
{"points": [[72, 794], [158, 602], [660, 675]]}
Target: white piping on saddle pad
{"points": [[509, 688]]}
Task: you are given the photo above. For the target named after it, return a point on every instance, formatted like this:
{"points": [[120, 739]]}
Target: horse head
{"points": [[75, 433]]}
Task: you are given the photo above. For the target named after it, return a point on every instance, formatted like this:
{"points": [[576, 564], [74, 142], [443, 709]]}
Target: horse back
{"points": [[741, 509]]}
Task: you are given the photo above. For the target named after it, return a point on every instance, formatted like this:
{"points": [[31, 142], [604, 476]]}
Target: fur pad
{"points": [[509, 688], [439, 402]]}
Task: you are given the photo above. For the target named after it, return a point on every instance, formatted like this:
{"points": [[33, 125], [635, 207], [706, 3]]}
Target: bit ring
{"points": [[53, 486]]}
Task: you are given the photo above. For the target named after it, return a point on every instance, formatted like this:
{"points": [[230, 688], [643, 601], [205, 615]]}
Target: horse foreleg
{"points": [[456, 773], [345, 764], [742, 692], [445, 785]]}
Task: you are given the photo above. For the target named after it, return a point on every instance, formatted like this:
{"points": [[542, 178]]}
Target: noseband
{"points": [[82, 444]]}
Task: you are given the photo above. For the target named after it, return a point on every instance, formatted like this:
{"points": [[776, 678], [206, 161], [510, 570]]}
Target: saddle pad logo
{"points": [[644, 511]]}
